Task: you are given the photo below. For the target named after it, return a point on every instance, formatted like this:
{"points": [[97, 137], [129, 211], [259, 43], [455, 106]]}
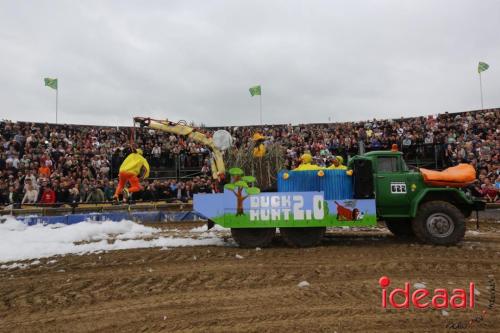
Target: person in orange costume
{"points": [[133, 167]]}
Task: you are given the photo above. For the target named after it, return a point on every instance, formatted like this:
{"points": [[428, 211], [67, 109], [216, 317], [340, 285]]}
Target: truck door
{"points": [[391, 187]]}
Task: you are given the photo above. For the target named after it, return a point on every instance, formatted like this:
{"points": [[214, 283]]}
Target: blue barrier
{"points": [[115, 216], [145, 216], [32, 220], [77, 218], [181, 216], [335, 183], [53, 219]]}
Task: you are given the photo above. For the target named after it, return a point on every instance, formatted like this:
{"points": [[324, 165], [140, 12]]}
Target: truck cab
{"points": [[394, 185], [407, 204]]}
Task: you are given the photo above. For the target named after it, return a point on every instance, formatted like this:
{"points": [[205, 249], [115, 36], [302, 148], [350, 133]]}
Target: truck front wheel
{"points": [[440, 223]]}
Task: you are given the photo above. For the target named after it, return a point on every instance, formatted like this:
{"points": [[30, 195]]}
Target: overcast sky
{"points": [[195, 60]]}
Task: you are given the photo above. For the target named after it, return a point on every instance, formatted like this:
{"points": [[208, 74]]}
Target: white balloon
{"points": [[222, 139]]}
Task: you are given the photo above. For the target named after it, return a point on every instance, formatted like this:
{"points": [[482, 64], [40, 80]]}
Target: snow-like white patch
{"points": [[21, 265], [19, 241], [238, 256], [204, 228], [419, 285], [303, 284], [14, 265], [473, 232], [445, 313]]}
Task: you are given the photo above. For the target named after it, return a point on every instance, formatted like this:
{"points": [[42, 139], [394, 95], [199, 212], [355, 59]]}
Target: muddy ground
{"points": [[227, 289]]}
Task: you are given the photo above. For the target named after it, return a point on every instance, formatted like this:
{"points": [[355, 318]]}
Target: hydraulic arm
{"points": [[216, 161]]}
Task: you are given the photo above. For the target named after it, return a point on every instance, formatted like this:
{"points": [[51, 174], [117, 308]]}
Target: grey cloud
{"points": [[195, 60]]}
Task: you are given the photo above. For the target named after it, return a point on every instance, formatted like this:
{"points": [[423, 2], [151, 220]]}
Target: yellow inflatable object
{"points": [[306, 163], [339, 159], [257, 136], [259, 151], [321, 173], [349, 172], [307, 167], [286, 175], [306, 158], [134, 163]]}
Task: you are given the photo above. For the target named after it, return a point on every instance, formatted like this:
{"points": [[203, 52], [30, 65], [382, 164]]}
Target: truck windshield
{"points": [[387, 164]]}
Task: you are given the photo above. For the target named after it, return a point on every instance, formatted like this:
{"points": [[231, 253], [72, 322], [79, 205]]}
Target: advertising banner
{"points": [[284, 209]]}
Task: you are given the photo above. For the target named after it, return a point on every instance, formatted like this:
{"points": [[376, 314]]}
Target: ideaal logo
{"points": [[423, 298], [440, 298]]}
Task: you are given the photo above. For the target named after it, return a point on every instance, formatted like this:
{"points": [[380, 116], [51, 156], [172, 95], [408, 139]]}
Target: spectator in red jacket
{"points": [[48, 196], [489, 191]]}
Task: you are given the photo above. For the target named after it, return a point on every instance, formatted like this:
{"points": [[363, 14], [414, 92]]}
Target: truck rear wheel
{"points": [[302, 237], [253, 237], [440, 223], [400, 229]]}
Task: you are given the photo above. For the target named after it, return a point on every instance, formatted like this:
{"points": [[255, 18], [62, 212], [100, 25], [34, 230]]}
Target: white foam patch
{"points": [[204, 228], [20, 265], [19, 241], [419, 285]]}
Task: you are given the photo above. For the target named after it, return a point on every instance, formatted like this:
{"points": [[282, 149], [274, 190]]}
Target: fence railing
{"points": [[74, 208]]}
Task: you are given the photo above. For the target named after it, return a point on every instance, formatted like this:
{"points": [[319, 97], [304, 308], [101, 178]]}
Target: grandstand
{"points": [[80, 163]]}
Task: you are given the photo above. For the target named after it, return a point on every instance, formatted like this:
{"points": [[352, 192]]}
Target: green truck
{"points": [[380, 188], [409, 206]]}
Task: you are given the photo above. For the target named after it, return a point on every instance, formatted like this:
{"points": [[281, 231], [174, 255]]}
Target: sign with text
{"points": [[284, 209]]}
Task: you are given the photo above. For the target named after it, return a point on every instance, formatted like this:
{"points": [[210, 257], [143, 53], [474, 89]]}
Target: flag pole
{"points": [[57, 97], [260, 102], [481, 89]]}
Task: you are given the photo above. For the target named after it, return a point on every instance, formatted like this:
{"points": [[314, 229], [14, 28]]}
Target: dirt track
{"points": [[209, 289]]}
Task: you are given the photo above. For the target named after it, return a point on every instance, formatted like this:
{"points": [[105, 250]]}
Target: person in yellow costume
{"points": [[337, 164], [260, 149], [306, 163], [133, 167]]}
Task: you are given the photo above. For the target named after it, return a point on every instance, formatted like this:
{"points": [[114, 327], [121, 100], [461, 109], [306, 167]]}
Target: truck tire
{"points": [[253, 237], [439, 222], [401, 228], [302, 237]]}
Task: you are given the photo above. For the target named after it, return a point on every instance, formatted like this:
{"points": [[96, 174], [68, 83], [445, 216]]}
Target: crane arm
{"points": [[216, 161]]}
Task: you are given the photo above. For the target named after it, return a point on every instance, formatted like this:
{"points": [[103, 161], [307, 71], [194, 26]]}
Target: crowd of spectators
{"points": [[442, 141], [48, 164]]}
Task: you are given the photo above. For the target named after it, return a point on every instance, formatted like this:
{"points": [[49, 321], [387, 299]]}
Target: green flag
{"points": [[51, 83], [482, 66], [255, 90]]}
